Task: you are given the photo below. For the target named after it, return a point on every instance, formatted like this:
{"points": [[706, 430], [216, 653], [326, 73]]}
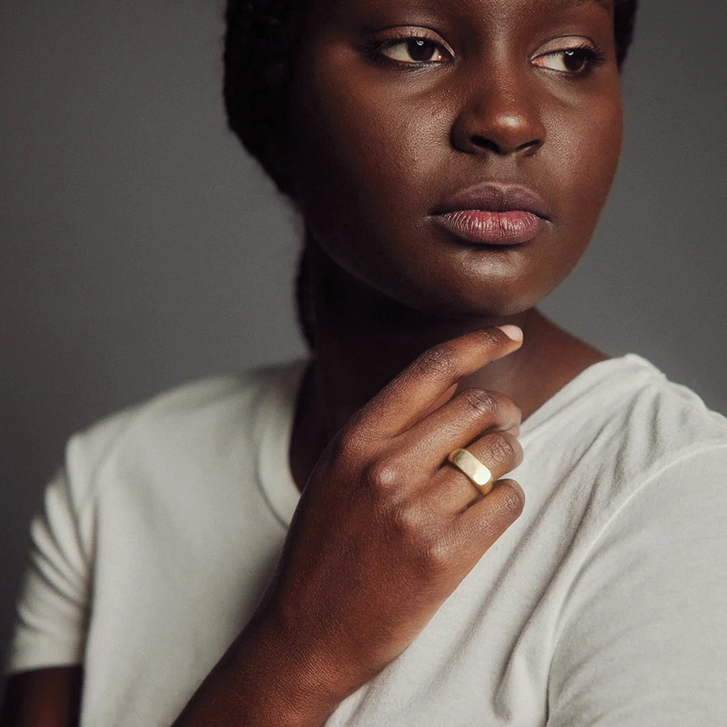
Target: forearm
{"points": [[264, 679]]}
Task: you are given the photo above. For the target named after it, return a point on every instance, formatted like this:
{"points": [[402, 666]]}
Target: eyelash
{"points": [[594, 58], [375, 50]]}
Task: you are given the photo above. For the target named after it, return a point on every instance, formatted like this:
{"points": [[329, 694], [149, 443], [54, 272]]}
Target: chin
{"points": [[460, 304]]}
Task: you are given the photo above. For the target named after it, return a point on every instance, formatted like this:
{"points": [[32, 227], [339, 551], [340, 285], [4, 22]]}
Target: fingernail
{"points": [[512, 332]]}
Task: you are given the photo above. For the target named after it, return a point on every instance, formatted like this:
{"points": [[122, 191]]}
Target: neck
{"points": [[363, 339]]}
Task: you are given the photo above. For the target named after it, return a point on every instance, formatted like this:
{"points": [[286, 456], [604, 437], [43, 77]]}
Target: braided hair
{"points": [[262, 41]]}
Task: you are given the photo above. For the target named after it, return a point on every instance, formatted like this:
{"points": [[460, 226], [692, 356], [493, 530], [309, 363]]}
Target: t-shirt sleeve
{"points": [[53, 605], [643, 638]]}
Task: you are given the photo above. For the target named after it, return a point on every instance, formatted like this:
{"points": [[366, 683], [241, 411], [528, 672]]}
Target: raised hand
{"points": [[386, 528]]}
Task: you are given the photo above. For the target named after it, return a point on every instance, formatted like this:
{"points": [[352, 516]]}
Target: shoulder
{"points": [[628, 419], [648, 507], [651, 423], [618, 436], [666, 455], [176, 424]]}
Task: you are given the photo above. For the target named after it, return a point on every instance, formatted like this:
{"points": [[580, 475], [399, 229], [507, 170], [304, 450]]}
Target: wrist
{"points": [[262, 680], [302, 680]]}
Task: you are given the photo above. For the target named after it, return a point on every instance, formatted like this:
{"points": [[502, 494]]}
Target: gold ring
{"points": [[468, 464]]}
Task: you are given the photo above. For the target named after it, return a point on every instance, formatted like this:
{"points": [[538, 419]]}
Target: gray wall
{"points": [[139, 247]]}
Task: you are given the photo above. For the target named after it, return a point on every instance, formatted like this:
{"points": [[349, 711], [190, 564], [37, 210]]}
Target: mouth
{"points": [[494, 214]]}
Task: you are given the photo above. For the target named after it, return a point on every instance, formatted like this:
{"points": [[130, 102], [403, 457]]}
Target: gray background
{"points": [[139, 247]]}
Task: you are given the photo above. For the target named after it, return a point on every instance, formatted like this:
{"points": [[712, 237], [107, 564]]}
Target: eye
{"points": [[413, 51], [573, 61]]}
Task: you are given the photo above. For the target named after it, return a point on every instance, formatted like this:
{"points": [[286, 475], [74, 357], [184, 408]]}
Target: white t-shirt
{"points": [[604, 605]]}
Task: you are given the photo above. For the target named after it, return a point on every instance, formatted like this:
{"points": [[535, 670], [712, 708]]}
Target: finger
{"points": [[412, 393], [440, 400], [484, 521], [451, 490], [459, 422], [499, 451]]}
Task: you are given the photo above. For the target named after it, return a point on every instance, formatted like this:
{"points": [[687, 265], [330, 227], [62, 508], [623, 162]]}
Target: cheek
{"points": [[359, 143], [586, 147], [371, 158], [578, 163], [368, 164], [333, 129]]}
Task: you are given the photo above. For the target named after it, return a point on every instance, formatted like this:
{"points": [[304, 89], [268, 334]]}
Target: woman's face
{"points": [[455, 155]]}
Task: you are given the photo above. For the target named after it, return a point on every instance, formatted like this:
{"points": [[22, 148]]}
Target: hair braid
{"points": [[261, 41]]}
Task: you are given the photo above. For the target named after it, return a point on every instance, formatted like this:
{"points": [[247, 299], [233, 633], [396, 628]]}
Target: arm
{"points": [[261, 680], [43, 698], [384, 532], [51, 618]]}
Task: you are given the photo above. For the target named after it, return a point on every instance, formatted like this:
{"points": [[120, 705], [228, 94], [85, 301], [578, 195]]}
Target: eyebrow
{"points": [[605, 4]]}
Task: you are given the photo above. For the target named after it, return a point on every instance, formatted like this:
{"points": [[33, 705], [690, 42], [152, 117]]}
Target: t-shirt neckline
{"points": [[591, 377], [275, 431], [278, 410]]}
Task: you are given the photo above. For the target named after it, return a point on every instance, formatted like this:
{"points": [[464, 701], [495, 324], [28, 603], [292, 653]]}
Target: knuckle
{"points": [[403, 525], [432, 557], [502, 448], [481, 401], [348, 445], [416, 536], [407, 522], [439, 361], [382, 475], [512, 500]]}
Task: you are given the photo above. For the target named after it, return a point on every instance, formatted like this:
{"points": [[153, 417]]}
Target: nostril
{"points": [[483, 142], [532, 146], [495, 129]]}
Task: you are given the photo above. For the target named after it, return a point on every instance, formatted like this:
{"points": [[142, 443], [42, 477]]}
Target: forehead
{"points": [[489, 9], [470, 4]]}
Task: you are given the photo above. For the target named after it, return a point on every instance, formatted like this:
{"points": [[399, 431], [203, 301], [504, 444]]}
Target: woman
{"points": [[450, 161]]}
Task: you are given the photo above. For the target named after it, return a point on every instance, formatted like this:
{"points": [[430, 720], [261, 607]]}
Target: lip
{"points": [[494, 214]]}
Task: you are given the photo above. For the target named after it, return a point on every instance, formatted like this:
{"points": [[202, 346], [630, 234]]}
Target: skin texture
{"points": [[407, 363], [375, 149]]}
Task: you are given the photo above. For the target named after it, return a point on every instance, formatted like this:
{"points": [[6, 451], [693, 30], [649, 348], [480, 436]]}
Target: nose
{"points": [[499, 115]]}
